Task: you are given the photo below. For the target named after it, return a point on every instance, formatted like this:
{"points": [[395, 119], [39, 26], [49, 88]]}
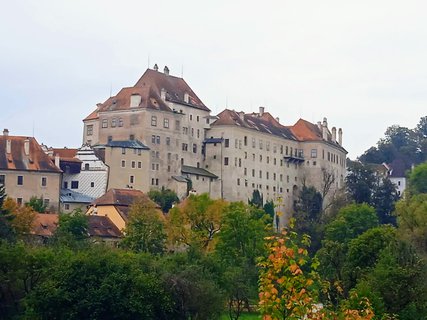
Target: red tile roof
{"points": [[36, 160], [149, 87], [102, 226], [65, 153], [45, 224], [306, 131]]}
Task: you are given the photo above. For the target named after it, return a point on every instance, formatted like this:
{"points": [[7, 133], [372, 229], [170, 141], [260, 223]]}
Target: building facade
{"points": [[26, 171], [229, 155]]}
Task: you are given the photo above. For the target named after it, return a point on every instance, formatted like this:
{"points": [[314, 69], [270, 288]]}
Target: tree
{"points": [[144, 230], [257, 199], [384, 199], [269, 209], [3, 196], [165, 198], [196, 222], [72, 229], [412, 221], [418, 179], [240, 242], [360, 182], [21, 218], [37, 204]]}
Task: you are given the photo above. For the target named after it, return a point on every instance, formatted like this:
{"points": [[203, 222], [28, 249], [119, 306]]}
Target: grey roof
{"points": [[68, 195], [180, 179], [132, 144], [198, 171]]}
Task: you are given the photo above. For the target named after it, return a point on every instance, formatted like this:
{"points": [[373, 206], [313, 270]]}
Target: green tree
{"points": [[37, 204], [72, 229], [257, 199], [412, 221], [165, 198], [240, 242], [418, 179], [196, 222], [360, 182], [144, 230], [384, 199]]}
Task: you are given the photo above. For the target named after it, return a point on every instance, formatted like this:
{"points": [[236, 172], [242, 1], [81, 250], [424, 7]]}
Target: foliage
{"points": [[351, 221], [383, 200], [285, 291], [3, 196], [165, 198], [269, 209], [37, 204], [72, 229], [20, 218], [144, 230], [418, 179], [240, 242], [360, 182], [257, 199], [412, 221], [196, 222], [99, 284]]}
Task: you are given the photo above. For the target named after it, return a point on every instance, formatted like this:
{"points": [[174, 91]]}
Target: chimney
{"points": [[57, 160], [135, 100], [5, 132], [8, 146], [186, 98], [319, 125], [241, 115], [156, 67], [27, 146], [261, 111], [166, 70], [163, 94], [278, 119], [334, 134], [340, 136], [325, 130]]}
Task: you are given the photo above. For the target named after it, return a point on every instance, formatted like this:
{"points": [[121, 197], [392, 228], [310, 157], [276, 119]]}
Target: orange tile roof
{"points": [[36, 160], [45, 224], [149, 87]]}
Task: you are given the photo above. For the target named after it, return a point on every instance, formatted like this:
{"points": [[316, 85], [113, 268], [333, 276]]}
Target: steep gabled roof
{"points": [[45, 224], [36, 160], [149, 87], [121, 197], [265, 123], [198, 171], [397, 168], [102, 226]]}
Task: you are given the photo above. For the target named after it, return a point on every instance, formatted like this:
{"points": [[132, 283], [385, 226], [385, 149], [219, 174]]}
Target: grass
{"points": [[244, 316]]}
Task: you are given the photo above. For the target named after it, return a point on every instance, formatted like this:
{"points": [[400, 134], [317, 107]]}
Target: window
{"points": [[89, 130], [133, 164], [260, 144], [198, 133], [184, 147], [46, 202], [260, 158], [154, 121], [123, 150], [131, 137], [19, 201], [113, 122], [245, 171], [191, 117], [238, 181], [253, 172], [177, 125], [86, 166], [74, 184], [227, 143], [236, 143], [110, 138], [194, 148], [260, 173], [139, 164], [44, 181], [158, 139], [157, 154], [245, 141], [92, 184], [20, 180], [253, 142], [226, 161], [168, 141], [169, 156], [166, 123], [66, 206], [267, 146], [65, 185], [192, 132], [268, 159], [131, 179], [153, 139], [120, 122], [123, 163], [105, 123], [240, 162], [2, 179], [198, 118], [246, 155]]}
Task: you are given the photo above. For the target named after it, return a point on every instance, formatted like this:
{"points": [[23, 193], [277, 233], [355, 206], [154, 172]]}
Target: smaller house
{"points": [[116, 205], [396, 173], [44, 226], [71, 200], [202, 181]]}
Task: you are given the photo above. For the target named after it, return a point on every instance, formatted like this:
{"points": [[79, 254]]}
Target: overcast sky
{"points": [[362, 64]]}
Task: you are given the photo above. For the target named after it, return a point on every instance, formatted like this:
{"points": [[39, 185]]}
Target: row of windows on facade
{"points": [[259, 186], [133, 164], [20, 180], [238, 161], [46, 202], [267, 175], [135, 151], [75, 184]]}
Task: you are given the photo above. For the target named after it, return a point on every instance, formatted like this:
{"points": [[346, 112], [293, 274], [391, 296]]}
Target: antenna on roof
{"points": [[182, 71], [111, 89], [148, 61]]}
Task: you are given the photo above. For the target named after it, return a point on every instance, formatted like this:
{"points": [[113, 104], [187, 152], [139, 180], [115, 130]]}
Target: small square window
{"points": [[92, 184], [66, 206], [2, 179], [74, 184]]}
